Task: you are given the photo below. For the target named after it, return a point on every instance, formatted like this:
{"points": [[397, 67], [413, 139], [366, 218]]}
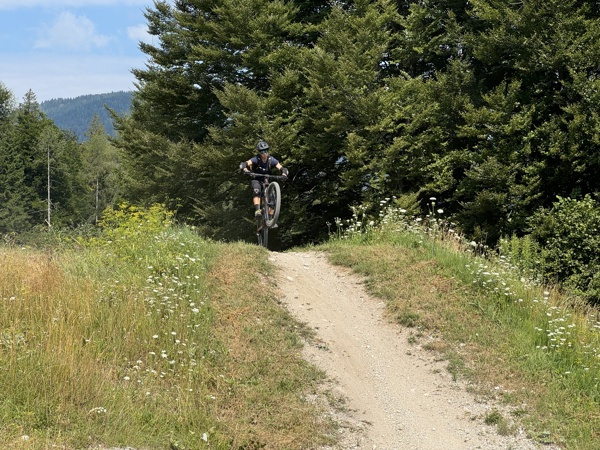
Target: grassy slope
{"points": [[168, 339], [150, 342]]}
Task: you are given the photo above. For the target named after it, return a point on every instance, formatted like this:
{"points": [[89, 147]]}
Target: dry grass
{"points": [[170, 341]]}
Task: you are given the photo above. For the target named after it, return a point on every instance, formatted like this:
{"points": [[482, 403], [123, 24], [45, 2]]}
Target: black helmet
{"points": [[262, 146]]}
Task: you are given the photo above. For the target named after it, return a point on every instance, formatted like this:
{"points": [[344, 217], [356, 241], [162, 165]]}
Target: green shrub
{"points": [[569, 234], [128, 221], [524, 253], [124, 225]]}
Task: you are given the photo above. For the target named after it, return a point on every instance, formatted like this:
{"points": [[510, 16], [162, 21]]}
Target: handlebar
{"points": [[272, 177]]}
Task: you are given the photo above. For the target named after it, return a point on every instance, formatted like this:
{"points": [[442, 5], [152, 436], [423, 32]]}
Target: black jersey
{"points": [[263, 168]]}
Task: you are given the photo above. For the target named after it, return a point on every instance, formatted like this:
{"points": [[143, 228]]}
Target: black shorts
{"points": [[255, 185]]}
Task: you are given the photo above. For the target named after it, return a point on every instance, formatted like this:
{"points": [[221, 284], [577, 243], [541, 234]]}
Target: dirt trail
{"points": [[398, 395]]}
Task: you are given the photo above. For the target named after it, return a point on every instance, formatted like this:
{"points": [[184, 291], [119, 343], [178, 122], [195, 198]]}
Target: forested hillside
{"points": [[75, 114]]}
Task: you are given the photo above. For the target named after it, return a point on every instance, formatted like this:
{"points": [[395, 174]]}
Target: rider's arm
{"points": [[246, 166], [282, 169]]}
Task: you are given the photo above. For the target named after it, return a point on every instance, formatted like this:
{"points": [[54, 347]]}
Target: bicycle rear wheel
{"points": [[273, 203], [262, 233], [265, 237]]}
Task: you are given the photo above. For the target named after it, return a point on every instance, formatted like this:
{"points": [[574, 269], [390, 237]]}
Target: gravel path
{"points": [[397, 395]]}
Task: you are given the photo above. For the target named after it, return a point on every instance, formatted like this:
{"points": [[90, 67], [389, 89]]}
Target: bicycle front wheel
{"points": [[273, 202]]}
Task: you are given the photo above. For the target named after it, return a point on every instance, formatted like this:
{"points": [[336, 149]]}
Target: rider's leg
{"points": [[256, 197]]}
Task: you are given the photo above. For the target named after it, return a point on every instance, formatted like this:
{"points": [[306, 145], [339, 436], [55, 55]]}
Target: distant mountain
{"points": [[75, 114]]}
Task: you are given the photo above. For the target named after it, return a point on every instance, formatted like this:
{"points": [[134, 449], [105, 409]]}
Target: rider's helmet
{"points": [[262, 147]]}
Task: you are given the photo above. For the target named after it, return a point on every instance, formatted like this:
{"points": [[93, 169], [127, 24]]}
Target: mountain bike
{"points": [[270, 205]]}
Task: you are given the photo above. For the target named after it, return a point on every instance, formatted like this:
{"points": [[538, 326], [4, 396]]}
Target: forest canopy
{"points": [[491, 107]]}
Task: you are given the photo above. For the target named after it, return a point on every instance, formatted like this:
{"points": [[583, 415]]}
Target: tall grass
{"points": [[150, 336], [526, 344]]}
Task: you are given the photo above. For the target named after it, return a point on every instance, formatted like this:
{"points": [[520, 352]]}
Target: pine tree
{"points": [[101, 169], [181, 140], [15, 197]]}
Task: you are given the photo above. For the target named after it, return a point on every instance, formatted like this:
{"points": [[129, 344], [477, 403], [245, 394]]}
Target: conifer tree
{"points": [[541, 55], [208, 50], [101, 169], [15, 197]]}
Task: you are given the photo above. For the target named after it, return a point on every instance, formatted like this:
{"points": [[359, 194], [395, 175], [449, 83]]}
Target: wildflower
{"points": [[440, 211], [432, 199], [205, 437], [126, 378], [155, 336]]}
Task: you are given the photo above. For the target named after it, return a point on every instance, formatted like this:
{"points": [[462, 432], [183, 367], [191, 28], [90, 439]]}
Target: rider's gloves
{"points": [[244, 166], [285, 172]]}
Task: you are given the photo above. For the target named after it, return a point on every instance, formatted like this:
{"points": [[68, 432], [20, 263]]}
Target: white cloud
{"points": [[139, 33], [15, 4], [72, 32]]}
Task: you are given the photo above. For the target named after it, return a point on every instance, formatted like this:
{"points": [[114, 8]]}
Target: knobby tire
{"points": [[274, 203]]}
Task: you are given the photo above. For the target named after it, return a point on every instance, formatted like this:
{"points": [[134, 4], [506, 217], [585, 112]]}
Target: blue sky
{"points": [[67, 48]]}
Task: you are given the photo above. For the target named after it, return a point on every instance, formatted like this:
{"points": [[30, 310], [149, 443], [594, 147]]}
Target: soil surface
{"points": [[396, 395]]}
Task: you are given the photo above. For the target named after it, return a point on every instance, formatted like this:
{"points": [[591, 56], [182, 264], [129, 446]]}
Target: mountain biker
{"points": [[261, 164]]}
